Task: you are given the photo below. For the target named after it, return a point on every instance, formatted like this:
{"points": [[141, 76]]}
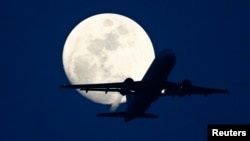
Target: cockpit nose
{"points": [[168, 54], [167, 51]]}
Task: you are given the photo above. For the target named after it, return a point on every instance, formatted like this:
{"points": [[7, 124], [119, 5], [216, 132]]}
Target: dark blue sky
{"points": [[211, 40]]}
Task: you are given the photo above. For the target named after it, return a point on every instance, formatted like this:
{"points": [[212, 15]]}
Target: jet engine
{"points": [[184, 87], [126, 86]]}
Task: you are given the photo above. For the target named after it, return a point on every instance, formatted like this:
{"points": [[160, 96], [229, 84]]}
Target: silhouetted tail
{"points": [[123, 114]]}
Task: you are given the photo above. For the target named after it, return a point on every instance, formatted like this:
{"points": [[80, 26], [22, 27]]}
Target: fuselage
{"points": [[154, 78]]}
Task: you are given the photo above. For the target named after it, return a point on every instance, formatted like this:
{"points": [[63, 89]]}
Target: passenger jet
{"points": [[141, 94]]}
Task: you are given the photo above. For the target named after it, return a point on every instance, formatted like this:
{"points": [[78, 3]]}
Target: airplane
{"points": [[141, 94]]}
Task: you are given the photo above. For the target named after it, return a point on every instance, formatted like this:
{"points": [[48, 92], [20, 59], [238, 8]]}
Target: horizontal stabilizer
{"points": [[112, 114], [145, 115], [123, 114]]}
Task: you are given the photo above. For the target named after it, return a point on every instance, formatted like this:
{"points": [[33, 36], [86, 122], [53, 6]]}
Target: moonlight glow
{"points": [[106, 48]]}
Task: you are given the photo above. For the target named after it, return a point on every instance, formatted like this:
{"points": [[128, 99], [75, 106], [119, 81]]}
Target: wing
{"points": [[204, 90], [106, 87], [178, 89], [128, 86]]}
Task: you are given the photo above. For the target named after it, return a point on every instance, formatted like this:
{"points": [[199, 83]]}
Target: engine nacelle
{"points": [[184, 87], [126, 86]]}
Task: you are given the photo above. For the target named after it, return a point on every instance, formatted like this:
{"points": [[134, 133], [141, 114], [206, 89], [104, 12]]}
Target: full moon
{"points": [[106, 48]]}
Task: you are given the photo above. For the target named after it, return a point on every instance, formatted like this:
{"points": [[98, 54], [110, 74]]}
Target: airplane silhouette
{"points": [[141, 94]]}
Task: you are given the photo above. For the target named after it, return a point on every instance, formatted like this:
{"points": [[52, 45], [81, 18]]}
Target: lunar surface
{"points": [[106, 48]]}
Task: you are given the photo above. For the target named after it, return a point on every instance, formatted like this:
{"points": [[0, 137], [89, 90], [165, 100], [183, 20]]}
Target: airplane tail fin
{"points": [[123, 114]]}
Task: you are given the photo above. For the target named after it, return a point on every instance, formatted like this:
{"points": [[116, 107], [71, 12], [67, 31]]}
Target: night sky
{"points": [[211, 40]]}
